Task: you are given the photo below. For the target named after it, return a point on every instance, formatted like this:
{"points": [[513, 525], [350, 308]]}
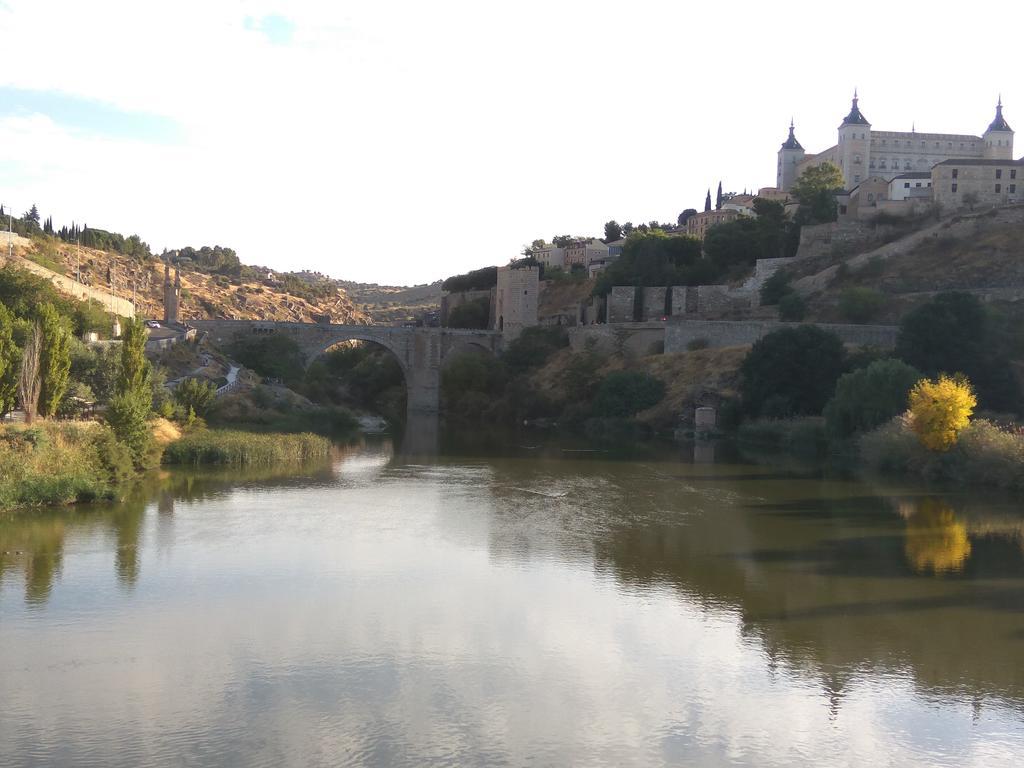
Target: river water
{"points": [[538, 609]]}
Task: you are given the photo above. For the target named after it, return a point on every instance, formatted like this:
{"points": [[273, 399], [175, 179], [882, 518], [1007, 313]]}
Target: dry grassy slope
{"points": [[977, 252], [686, 375], [202, 296]]}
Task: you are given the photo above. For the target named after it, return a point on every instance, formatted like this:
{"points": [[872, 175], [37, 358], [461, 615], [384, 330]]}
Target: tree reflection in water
{"points": [[936, 542]]}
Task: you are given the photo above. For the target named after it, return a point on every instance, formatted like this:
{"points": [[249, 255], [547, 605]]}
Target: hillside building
{"points": [[862, 152]]}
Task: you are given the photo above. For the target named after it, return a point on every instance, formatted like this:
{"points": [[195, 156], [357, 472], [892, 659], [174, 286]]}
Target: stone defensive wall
{"points": [[636, 339], [69, 287], [680, 333]]}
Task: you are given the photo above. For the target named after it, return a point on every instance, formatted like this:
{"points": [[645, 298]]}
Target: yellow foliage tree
{"points": [[939, 410]]}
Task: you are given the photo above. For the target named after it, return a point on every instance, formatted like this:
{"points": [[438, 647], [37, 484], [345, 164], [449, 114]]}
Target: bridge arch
{"points": [[420, 351]]}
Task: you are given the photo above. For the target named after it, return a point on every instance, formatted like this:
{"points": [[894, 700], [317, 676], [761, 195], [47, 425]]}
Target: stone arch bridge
{"points": [[421, 352]]}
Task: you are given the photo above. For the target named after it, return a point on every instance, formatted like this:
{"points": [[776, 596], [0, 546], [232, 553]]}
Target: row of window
{"points": [[938, 144], [1012, 189], [999, 173]]}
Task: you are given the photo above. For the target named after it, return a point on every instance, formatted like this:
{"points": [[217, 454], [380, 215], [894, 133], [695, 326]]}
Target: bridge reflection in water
{"points": [[421, 436]]}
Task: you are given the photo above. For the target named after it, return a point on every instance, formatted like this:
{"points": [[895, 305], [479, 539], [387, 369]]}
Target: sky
{"points": [[399, 142]]}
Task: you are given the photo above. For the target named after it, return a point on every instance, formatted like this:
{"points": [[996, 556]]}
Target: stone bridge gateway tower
{"points": [[421, 352]]}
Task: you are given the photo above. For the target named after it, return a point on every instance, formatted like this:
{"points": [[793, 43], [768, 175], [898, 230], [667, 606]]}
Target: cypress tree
{"points": [[54, 359], [718, 202], [8, 361], [133, 397]]}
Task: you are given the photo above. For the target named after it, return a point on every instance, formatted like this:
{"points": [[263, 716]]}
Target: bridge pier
{"points": [[420, 351]]}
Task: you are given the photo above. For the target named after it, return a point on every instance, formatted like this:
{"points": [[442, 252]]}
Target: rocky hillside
{"points": [[388, 304], [203, 295]]}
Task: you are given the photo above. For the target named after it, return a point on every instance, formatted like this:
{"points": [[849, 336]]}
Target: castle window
{"points": [[956, 172], [999, 188], [1013, 189], [953, 188], [1013, 173], [906, 185], [999, 173]]}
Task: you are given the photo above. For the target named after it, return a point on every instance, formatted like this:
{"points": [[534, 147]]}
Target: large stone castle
{"points": [[862, 153]]}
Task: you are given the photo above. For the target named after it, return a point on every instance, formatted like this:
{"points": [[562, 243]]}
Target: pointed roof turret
{"points": [[1000, 124], [791, 142], [855, 117]]}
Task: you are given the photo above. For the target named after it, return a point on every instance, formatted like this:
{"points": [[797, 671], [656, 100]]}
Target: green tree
{"points": [[815, 190], [775, 287], [562, 241], [133, 395], [196, 395], [32, 215], [869, 397], [275, 356], [792, 307], [794, 370], [471, 314], [623, 394], [612, 231], [953, 333], [54, 359], [9, 359], [860, 304]]}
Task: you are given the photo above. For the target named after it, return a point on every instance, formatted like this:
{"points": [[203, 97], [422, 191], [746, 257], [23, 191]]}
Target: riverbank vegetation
{"points": [[233, 448], [60, 463], [910, 413]]}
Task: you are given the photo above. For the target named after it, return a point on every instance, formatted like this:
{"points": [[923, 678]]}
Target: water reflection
{"points": [[550, 608], [936, 541]]}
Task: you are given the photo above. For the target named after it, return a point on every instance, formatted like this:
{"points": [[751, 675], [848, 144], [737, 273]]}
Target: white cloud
{"points": [[405, 141]]}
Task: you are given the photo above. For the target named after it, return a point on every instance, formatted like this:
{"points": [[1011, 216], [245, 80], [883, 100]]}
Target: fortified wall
{"points": [[681, 333]]}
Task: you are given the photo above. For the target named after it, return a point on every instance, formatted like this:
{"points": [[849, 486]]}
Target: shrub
{"points": [[792, 308], [472, 314], [696, 344], [804, 436], [775, 287], [984, 455], [625, 393], [939, 411], [195, 395], [127, 416], [533, 347], [275, 356], [869, 397], [798, 366], [858, 304]]}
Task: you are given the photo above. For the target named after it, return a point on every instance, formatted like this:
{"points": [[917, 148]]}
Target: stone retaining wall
{"points": [[728, 333]]}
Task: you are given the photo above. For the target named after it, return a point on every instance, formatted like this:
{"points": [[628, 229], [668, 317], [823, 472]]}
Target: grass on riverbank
{"points": [[233, 448], [984, 455], [60, 463]]}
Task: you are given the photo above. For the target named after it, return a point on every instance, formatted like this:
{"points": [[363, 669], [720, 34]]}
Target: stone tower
{"points": [[516, 299], [172, 294], [999, 137], [790, 156], [854, 146]]}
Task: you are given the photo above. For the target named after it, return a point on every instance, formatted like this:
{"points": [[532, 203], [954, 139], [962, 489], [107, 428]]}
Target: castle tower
{"points": [[790, 156], [998, 138], [854, 146], [172, 294]]}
